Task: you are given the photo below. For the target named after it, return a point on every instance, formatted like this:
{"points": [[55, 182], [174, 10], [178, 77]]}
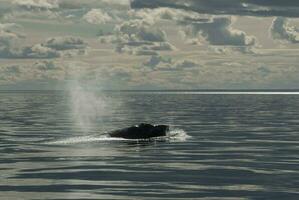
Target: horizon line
{"points": [[199, 91]]}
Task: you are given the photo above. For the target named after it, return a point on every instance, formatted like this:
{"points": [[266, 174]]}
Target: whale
{"points": [[141, 131]]}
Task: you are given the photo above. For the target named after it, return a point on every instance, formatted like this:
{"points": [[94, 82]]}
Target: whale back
{"points": [[142, 131]]}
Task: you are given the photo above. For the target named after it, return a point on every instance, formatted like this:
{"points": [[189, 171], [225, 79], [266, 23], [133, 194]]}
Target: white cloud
{"points": [[37, 51], [37, 4], [8, 26], [139, 38], [152, 16], [97, 16], [139, 30], [282, 30]]}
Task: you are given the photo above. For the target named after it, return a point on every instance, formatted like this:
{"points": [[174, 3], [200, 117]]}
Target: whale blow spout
{"points": [[141, 131]]}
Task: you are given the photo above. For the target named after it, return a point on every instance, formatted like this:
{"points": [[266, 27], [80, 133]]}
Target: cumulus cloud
{"points": [[7, 38], [52, 48], [35, 51], [288, 8], [37, 4], [97, 16], [154, 15], [65, 43], [196, 28], [282, 30], [8, 26], [45, 65], [40, 70], [230, 50], [9, 74], [167, 64], [54, 9], [117, 73], [138, 30], [138, 37], [9, 49], [218, 31], [31, 9]]}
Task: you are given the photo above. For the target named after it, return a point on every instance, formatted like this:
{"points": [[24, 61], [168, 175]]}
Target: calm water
{"points": [[53, 146]]}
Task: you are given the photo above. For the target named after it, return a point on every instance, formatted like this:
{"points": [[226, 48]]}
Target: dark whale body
{"points": [[142, 131]]}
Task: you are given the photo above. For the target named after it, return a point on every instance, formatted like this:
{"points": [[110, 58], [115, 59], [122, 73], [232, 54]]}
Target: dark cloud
{"points": [[287, 8], [218, 31], [160, 63]]}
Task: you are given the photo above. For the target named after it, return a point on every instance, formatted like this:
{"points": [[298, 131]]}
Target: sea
{"points": [[221, 145]]}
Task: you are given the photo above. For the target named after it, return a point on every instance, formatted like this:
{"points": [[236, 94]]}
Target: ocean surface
{"points": [[54, 145]]}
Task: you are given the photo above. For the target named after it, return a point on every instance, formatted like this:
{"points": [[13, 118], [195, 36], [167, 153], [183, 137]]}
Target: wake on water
{"points": [[174, 134]]}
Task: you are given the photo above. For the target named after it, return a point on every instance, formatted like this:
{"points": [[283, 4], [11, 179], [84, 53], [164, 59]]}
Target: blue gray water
{"points": [[240, 147]]}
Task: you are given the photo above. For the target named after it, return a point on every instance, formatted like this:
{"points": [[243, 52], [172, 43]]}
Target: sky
{"points": [[149, 44]]}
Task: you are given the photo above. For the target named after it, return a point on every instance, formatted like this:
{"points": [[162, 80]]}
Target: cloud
{"points": [[8, 26], [152, 16], [45, 65], [40, 70], [218, 31], [167, 64], [231, 50], [197, 28], [52, 48], [36, 51], [65, 43], [139, 38], [138, 30], [7, 38], [37, 4], [282, 30], [39, 9], [9, 74], [9, 47], [117, 73], [287, 8], [58, 9], [97, 16]]}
